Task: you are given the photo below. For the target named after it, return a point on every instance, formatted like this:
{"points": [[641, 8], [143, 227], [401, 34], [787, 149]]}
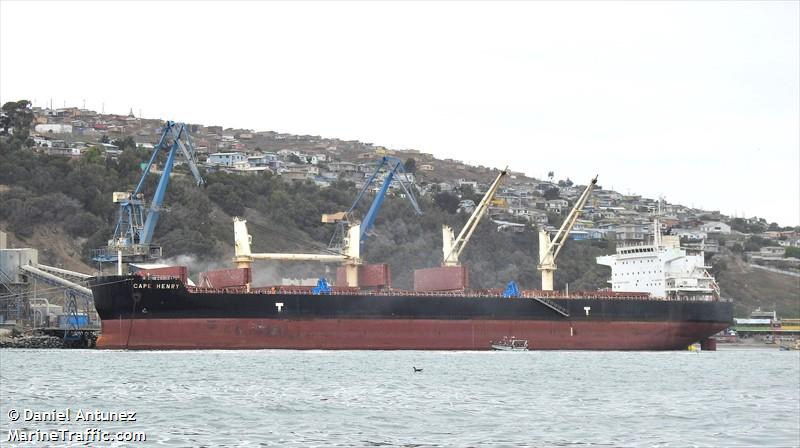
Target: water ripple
{"points": [[372, 399]]}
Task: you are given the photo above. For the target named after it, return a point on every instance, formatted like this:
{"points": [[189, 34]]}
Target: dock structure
{"points": [[36, 296]]}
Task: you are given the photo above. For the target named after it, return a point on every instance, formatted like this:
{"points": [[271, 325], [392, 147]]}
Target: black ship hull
{"points": [[163, 314]]}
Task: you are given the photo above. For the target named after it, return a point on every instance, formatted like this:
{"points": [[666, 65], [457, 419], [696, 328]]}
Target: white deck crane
{"points": [[549, 249], [349, 256], [452, 246]]}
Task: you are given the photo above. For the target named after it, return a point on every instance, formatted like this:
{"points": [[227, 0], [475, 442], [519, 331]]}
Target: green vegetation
{"points": [[754, 243], [552, 193], [15, 122], [793, 252], [125, 143], [742, 225], [410, 165]]}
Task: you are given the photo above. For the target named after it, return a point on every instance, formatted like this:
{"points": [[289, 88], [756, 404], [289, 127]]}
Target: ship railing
{"points": [[624, 245], [544, 297], [162, 277]]}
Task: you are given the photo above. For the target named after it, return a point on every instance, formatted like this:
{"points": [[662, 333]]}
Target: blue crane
{"points": [[133, 234], [393, 166]]}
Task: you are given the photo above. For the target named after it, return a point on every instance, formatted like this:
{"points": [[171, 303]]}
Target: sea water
{"points": [[289, 398]]}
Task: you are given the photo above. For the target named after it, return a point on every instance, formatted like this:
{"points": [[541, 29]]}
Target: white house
{"points": [[226, 158], [55, 128], [269, 159], [688, 234], [556, 205], [471, 183], [716, 227]]}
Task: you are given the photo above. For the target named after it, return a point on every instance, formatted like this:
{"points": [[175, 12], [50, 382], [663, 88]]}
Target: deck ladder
{"points": [[552, 305]]}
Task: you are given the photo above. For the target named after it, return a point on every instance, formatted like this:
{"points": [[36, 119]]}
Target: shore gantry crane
{"points": [[393, 171], [344, 239], [452, 246], [133, 234], [549, 249]]}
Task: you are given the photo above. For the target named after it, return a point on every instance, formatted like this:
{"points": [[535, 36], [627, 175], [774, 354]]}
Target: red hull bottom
{"points": [[398, 334]]}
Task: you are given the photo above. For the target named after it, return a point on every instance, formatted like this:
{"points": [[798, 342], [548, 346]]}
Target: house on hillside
{"points": [[717, 227], [688, 234], [556, 205], [226, 159], [772, 251], [269, 159], [53, 128], [632, 232], [342, 167]]}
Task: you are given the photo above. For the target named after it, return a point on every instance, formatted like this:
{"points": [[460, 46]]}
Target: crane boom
{"points": [[549, 249], [349, 256], [453, 247], [343, 219], [350, 233], [393, 165], [133, 233]]}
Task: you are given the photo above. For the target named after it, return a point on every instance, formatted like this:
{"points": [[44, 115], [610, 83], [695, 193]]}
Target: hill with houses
{"points": [[752, 245]]}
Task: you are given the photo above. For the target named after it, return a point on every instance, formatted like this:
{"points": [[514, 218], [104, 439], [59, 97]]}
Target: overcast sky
{"points": [[696, 102]]}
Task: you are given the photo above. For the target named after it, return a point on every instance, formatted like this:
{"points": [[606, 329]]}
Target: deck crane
{"points": [[345, 246], [549, 249], [133, 234], [244, 257], [452, 246], [346, 220]]}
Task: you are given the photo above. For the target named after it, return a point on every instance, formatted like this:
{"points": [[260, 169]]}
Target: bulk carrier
{"points": [[661, 297], [165, 313]]}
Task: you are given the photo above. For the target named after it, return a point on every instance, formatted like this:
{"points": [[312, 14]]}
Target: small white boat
{"points": [[511, 344]]}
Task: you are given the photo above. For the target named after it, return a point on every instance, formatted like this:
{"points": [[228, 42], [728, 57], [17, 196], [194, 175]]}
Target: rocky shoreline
{"points": [[33, 339]]}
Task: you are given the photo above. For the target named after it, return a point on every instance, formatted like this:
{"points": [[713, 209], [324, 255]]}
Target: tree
{"points": [[467, 192], [552, 193], [793, 252], [555, 219], [124, 143], [411, 165], [16, 119], [550, 174], [754, 243], [294, 158], [447, 202], [93, 155], [104, 139]]}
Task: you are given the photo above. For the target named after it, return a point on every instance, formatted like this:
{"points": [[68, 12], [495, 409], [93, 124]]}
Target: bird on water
{"points": [[416, 369]]}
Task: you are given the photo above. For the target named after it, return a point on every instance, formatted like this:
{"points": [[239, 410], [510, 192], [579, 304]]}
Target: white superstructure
{"points": [[662, 268]]}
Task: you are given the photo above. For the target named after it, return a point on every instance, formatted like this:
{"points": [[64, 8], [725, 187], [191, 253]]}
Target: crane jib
{"points": [[133, 233]]}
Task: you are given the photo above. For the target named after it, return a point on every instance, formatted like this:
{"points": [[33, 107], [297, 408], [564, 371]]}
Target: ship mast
{"points": [[657, 227]]}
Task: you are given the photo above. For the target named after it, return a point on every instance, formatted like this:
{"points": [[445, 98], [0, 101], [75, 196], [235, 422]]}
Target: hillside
{"points": [[61, 206], [752, 288]]}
